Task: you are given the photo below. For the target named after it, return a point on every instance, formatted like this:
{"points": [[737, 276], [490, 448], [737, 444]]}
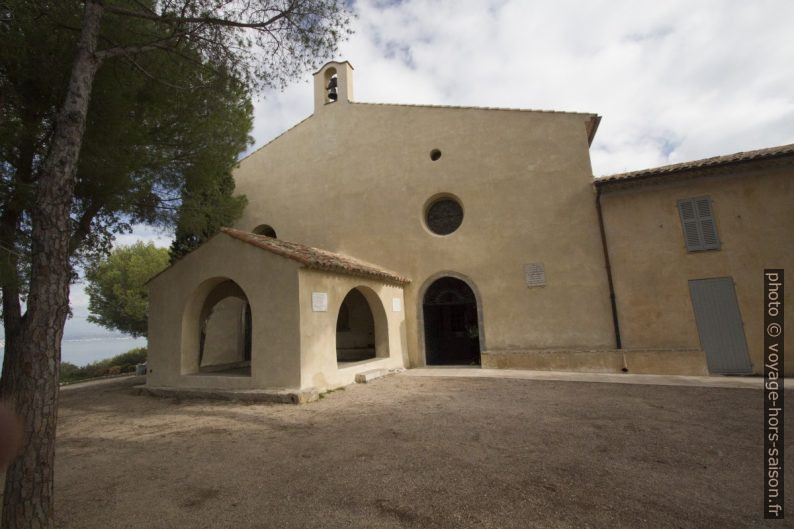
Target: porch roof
{"points": [[316, 258]]}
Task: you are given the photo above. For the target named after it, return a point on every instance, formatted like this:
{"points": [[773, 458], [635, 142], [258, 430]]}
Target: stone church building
{"points": [[381, 236]]}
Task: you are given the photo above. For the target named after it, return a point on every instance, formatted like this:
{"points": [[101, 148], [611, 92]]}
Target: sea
{"points": [[85, 350]]}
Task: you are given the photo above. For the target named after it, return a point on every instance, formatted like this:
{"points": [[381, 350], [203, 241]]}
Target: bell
{"points": [[332, 93]]}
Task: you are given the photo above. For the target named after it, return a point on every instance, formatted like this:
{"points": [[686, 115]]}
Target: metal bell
{"points": [[332, 93]]}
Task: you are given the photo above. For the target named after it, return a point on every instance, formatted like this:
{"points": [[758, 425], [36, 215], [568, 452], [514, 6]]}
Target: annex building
{"points": [[383, 236]]}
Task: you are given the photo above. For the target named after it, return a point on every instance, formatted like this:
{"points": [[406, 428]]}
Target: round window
{"points": [[444, 216]]}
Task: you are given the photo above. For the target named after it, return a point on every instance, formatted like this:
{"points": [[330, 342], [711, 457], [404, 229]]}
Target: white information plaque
{"points": [[396, 305], [320, 301], [535, 274]]}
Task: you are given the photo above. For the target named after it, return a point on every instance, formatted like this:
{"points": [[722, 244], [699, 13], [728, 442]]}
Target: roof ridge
{"points": [[702, 163], [316, 258], [470, 107]]}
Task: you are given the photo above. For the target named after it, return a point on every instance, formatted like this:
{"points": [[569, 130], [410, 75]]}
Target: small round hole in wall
{"points": [[435, 154]]}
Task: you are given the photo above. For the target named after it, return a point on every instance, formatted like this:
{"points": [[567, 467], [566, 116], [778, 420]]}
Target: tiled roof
{"points": [[706, 163], [316, 258]]}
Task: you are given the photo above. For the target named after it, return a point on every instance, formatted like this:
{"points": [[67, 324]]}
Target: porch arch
{"points": [[216, 330], [362, 330]]}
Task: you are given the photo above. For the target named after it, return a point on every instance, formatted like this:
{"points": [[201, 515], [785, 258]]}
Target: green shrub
{"points": [[70, 372], [127, 361], [123, 363]]}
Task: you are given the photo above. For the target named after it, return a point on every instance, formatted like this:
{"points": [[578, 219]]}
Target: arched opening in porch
{"points": [[224, 331], [361, 327]]}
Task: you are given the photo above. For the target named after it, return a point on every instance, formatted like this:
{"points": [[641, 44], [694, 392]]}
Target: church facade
{"points": [[380, 237]]}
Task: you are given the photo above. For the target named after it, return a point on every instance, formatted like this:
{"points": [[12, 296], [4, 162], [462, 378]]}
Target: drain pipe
{"points": [[612, 301]]}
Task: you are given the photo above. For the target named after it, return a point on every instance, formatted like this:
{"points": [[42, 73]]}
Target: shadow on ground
{"points": [[413, 452]]}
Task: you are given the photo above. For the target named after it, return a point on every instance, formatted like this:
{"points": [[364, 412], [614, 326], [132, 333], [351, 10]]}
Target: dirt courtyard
{"points": [[416, 452]]}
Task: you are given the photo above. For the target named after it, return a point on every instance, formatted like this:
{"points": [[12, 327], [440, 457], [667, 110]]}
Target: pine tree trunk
{"points": [[10, 281], [28, 497], [12, 323]]}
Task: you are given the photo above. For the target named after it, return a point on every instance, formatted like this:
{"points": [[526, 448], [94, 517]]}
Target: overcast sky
{"points": [[673, 80]]}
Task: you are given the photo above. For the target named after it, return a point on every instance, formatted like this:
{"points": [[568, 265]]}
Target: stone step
{"points": [[286, 396], [372, 374]]}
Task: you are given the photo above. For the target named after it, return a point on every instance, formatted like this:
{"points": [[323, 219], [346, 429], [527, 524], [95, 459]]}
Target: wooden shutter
{"points": [[697, 222], [689, 222], [708, 228]]}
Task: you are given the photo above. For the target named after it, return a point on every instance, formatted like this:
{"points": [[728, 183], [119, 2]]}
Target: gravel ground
{"points": [[417, 452]]}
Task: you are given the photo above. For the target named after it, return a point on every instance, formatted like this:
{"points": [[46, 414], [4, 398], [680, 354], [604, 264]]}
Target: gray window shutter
{"points": [[689, 222], [697, 221], [708, 228]]}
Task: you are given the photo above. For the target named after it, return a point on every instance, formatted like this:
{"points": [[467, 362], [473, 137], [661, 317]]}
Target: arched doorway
{"points": [[452, 331], [355, 329], [225, 331]]}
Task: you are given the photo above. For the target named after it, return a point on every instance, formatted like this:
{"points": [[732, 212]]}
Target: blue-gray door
{"points": [[719, 325]]}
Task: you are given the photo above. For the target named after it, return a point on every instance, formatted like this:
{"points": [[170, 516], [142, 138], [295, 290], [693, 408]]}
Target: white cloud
{"points": [[673, 80], [147, 234]]}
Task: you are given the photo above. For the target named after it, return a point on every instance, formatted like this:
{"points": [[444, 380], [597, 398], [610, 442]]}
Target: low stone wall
{"points": [[639, 361]]}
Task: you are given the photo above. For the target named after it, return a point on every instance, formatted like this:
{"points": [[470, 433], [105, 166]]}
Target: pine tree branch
{"points": [[162, 44], [215, 21]]}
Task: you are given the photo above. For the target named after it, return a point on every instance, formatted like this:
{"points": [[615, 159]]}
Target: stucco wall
{"points": [[355, 178], [319, 367], [176, 297], [755, 224], [225, 333]]}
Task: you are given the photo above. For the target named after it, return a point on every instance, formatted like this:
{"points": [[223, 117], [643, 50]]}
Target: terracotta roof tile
{"points": [[316, 258], [706, 163]]}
